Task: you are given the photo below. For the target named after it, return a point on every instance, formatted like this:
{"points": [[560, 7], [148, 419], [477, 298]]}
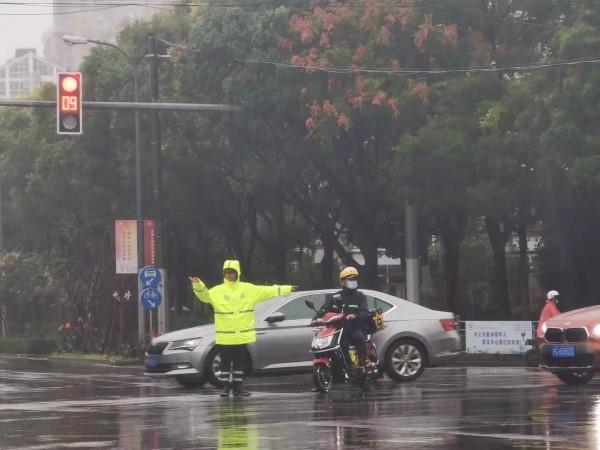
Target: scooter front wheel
{"points": [[322, 378]]}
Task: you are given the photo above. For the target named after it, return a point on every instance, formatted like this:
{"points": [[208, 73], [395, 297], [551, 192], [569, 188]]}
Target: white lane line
{"points": [[183, 398], [511, 436], [83, 444]]}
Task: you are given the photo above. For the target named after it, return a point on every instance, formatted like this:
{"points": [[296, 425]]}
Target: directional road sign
{"points": [[150, 277], [151, 298]]}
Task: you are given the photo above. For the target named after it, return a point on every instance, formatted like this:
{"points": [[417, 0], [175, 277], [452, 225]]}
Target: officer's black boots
{"points": [[226, 389], [239, 391]]}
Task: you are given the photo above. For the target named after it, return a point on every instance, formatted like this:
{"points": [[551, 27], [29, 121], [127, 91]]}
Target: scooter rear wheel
{"points": [[322, 378]]}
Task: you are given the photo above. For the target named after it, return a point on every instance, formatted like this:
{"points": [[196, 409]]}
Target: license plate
{"points": [[151, 363], [563, 352]]}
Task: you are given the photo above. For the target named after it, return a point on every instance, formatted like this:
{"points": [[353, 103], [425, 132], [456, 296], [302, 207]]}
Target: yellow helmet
{"points": [[348, 272]]}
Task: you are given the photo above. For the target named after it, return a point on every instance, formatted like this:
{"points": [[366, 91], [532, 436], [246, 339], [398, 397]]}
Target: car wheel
{"points": [[405, 360], [191, 381], [212, 367], [577, 378]]}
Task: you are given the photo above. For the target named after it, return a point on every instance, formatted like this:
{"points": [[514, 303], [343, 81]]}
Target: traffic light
{"points": [[68, 103]]}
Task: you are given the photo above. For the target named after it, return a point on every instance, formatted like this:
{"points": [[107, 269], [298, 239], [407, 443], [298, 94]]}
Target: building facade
{"points": [[20, 75], [92, 19]]}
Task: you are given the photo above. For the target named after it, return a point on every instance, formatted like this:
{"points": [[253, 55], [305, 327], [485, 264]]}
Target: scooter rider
{"points": [[550, 310], [353, 303]]}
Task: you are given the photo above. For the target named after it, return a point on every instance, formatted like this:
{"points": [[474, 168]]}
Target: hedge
{"points": [[24, 346]]}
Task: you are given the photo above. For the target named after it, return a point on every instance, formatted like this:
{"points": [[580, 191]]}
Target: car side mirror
{"points": [[310, 304], [275, 317]]}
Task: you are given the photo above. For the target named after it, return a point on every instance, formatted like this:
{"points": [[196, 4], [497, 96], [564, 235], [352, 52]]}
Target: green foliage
{"points": [[29, 289]]}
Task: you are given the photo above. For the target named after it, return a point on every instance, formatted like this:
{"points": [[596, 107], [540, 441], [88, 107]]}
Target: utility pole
{"points": [[3, 331], [163, 309], [413, 285]]}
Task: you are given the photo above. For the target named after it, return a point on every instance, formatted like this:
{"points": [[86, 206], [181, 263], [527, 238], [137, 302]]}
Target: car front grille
{"points": [[576, 335], [156, 349], [554, 335]]}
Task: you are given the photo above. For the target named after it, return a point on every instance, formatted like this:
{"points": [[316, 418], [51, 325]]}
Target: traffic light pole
{"points": [[129, 106]]}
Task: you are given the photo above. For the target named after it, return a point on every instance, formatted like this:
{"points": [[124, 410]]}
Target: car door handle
{"points": [[261, 332]]}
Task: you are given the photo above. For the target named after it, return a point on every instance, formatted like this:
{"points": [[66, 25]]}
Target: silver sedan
{"points": [[413, 337]]}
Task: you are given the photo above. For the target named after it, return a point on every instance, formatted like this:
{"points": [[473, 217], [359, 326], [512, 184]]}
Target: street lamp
{"points": [[139, 212]]}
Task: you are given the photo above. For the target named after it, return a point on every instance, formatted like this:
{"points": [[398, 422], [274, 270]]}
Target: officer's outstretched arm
{"points": [[264, 293], [200, 290]]}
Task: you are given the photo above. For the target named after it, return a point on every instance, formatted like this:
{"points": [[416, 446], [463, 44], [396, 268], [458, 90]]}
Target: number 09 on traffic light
{"points": [[68, 103]]}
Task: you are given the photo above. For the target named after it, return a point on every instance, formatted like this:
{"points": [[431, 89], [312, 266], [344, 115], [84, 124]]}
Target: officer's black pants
{"points": [[233, 360]]}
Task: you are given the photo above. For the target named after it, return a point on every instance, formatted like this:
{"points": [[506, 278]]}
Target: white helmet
{"points": [[551, 294]]}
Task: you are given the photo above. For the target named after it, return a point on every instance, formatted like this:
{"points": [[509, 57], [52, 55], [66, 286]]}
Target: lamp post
{"points": [[139, 211]]}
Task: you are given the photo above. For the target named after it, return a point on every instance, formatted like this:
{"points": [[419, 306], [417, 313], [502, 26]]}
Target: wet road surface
{"points": [[48, 405]]}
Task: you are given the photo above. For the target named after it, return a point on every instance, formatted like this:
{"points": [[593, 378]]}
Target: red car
{"points": [[571, 345]]}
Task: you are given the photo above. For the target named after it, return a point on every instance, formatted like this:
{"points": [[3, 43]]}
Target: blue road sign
{"points": [[150, 298], [150, 277]]}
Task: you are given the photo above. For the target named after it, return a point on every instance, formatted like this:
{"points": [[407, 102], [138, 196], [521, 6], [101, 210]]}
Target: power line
{"points": [[180, 46], [60, 13], [409, 71], [351, 4], [422, 71]]}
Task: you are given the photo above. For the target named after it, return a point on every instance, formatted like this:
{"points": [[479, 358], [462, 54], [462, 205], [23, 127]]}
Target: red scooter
{"points": [[332, 363]]}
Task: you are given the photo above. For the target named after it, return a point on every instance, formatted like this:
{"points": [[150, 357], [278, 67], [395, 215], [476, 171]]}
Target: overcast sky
{"points": [[18, 31]]}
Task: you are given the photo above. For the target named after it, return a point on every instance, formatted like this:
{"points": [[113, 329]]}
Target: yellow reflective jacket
{"points": [[233, 303]]}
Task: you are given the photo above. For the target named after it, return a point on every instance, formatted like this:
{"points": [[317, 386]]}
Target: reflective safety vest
{"points": [[233, 303]]}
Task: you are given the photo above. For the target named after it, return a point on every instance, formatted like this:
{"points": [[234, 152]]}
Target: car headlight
{"points": [[185, 344], [596, 331], [544, 328], [323, 341]]}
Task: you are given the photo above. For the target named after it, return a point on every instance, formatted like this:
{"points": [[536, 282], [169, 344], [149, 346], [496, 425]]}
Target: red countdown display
{"points": [[68, 103]]}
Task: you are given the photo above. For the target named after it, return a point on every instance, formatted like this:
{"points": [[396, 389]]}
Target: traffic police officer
{"points": [[233, 302]]}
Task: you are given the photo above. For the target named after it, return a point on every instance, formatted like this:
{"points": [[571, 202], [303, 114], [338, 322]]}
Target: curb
{"points": [[73, 360], [462, 360], [484, 360]]}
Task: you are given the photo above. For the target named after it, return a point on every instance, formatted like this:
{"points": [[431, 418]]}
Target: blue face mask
{"points": [[351, 284]]}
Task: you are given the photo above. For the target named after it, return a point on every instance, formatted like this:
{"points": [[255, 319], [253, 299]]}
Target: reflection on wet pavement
{"points": [[47, 405]]}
